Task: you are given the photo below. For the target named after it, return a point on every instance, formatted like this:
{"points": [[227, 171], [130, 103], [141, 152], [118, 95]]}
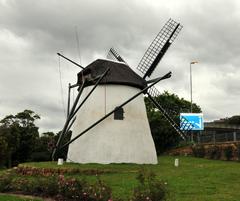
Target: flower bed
{"points": [[52, 183], [32, 171]]}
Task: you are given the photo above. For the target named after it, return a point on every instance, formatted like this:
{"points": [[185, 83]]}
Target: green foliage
{"points": [[98, 191], [17, 198], [43, 148], [64, 151], [164, 135], [214, 152], [238, 152], [20, 135], [3, 151], [235, 120], [20, 140], [198, 151], [41, 156], [6, 180], [149, 188], [61, 187], [195, 179], [228, 151], [40, 186]]}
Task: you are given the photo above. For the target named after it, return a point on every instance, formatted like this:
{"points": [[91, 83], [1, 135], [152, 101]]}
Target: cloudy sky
{"points": [[31, 32]]}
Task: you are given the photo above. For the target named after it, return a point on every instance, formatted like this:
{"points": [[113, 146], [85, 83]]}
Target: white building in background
{"points": [[123, 137]]}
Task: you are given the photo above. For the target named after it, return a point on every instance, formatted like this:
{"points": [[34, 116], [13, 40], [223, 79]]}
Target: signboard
{"points": [[191, 121]]}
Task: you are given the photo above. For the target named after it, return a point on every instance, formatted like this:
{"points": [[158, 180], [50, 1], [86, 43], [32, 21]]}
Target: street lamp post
{"points": [[192, 62]]}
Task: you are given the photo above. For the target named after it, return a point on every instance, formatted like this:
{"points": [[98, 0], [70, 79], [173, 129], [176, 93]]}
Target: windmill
{"points": [[108, 116]]}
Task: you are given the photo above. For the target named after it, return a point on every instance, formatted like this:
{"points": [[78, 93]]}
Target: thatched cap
{"points": [[119, 73]]}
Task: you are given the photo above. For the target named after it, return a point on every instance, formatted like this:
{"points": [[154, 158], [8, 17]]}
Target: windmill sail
{"points": [[154, 92], [158, 47], [113, 55]]}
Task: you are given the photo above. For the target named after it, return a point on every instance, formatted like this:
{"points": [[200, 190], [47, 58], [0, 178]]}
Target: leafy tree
{"points": [[3, 151], [43, 148], [232, 120], [164, 135], [63, 153], [20, 133]]}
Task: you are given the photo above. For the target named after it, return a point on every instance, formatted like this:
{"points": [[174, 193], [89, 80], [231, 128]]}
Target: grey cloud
{"points": [[32, 32]]}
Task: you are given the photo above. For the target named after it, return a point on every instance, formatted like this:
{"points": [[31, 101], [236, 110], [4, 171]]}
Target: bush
{"points": [[73, 189], [97, 192], [149, 189], [41, 156], [6, 180], [198, 151], [238, 152], [36, 186], [60, 187], [228, 151], [214, 152], [70, 188]]}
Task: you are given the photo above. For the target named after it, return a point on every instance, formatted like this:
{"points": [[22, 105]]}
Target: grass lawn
{"points": [[15, 198], [194, 180]]}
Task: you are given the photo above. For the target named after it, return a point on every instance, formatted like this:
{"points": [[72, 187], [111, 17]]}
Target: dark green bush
{"points": [[198, 151], [70, 188], [149, 188], [214, 152], [228, 152], [238, 151], [60, 187], [41, 156], [99, 191], [6, 180], [74, 189], [36, 186]]}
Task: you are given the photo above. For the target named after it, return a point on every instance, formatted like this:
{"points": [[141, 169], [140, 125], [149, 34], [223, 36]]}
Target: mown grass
{"points": [[16, 198], [194, 180]]}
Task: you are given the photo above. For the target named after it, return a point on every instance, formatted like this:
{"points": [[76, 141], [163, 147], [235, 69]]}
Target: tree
{"points": [[63, 153], [235, 120], [20, 133], [43, 148], [164, 135], [3, 151]]}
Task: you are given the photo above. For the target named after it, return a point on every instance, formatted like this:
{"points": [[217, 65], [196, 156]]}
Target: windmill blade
{"points": [[113, 55], [154, 92], [158, 47]]}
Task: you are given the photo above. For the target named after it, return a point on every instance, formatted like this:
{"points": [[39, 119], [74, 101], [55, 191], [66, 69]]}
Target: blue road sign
{"points": [[191, 121]]}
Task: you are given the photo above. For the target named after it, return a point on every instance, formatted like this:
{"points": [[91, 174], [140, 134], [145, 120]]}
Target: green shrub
{"points": [[238, 151], [149, 188], [74, 189], [70, 188], [228, 152], [36, 186], [99, 191], [198, 151], [214, 152], [6, 180], [44, 186], [41, 156]]}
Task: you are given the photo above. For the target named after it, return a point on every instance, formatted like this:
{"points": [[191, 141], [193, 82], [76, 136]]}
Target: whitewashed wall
{"points": [[113, 141]]}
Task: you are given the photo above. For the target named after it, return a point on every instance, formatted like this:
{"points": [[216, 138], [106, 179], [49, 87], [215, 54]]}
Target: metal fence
{"points": [[217, 137]]}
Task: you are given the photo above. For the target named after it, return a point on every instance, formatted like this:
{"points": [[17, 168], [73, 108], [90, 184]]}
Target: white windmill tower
{"points": [[109, 117]]}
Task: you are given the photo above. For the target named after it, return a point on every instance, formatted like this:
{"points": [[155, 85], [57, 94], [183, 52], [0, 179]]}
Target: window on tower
{"points": [[118, 114]]}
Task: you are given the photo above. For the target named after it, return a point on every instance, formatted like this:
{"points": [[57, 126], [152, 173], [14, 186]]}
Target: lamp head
{"points": [[194, 62]]}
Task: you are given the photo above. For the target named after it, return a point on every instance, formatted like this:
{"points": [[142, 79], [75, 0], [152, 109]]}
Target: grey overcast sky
{"points": [[31, 32]]}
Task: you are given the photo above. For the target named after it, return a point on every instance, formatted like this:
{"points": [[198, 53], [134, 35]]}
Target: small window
{"points": [[118, 114]]}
